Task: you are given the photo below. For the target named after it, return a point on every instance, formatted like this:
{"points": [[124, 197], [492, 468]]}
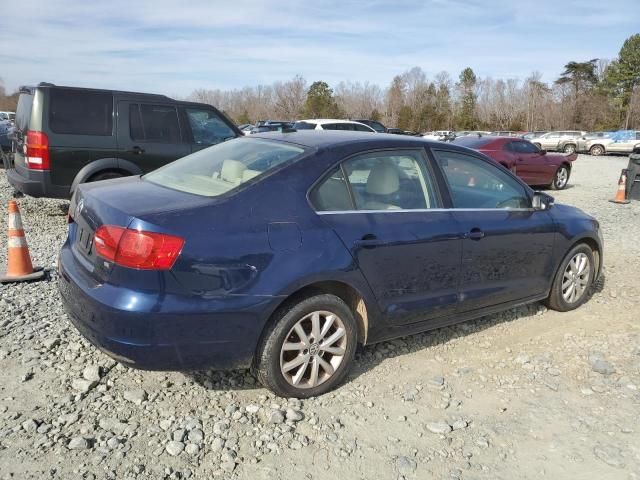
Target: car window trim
{"points": [[425, 210], [427, 161]]}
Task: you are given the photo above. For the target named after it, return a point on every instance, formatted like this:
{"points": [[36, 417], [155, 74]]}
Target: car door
{"points": [[507, 249], [150, 135], [205, 127], [531, 165], [385, 207]]}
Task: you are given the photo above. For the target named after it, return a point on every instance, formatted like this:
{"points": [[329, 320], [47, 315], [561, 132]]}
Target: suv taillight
{"points": [[36, 149], [137, 249]]}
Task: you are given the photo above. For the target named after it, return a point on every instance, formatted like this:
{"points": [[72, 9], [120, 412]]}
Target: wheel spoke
{"points": [[301, 334], [300, 373], [328, 323], [332, 350], [288, 347], [326, 366], [299, 360], [315, 368], [334, 338], [315, 326]]}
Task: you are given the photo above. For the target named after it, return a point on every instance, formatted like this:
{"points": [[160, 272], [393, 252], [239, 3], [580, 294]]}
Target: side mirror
{"points": [[542, 201]]}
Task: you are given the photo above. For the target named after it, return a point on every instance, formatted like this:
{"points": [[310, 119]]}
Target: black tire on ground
{"points": [[268, 355], [105, 176], [556, 301], [569, 148], [596, 150], [561, 178]]}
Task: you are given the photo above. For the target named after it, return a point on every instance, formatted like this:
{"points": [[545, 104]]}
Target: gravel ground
{"points": [[527, 393]]}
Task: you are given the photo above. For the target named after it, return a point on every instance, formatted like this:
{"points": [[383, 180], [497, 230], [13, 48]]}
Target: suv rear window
{"points": [[80, 113], [223, 167], [23, 112]]}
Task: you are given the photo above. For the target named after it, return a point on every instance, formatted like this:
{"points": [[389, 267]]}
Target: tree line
{"points": [[591, 94]]}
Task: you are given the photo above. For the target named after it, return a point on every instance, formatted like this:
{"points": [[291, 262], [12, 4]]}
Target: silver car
{"points": [[561, 141], [612, 144]]}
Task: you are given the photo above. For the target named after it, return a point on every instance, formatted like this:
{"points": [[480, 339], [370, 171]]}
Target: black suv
{"points": [[66, 136]]}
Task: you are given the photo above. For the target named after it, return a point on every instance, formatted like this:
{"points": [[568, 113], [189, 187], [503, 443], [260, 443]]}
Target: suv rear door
{"points": [[150, 134]]}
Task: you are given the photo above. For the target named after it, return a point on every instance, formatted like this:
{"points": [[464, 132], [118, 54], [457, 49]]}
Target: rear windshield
{"points": [[23, 112], [473, 141], [218, 169], [81, 113]]}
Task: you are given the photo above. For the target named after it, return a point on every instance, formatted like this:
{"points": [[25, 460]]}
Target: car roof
{"points": [[334, 138], [322, 121]]}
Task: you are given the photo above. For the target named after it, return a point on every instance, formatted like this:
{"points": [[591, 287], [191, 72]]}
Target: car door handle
{"points": [[368, 241], [137, 150], [475, 234]]}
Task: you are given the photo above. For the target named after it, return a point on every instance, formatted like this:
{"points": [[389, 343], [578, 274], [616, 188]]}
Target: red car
{"points": [[531, 164]]}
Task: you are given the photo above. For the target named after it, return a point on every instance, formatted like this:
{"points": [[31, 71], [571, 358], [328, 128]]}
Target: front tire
{"points": [[596, 150], [569, 148], [309, 348], [573, 279], [561, 178]]}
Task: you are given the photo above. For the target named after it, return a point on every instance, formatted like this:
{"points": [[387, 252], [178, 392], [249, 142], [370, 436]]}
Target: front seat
{"points": [[383, 183]]}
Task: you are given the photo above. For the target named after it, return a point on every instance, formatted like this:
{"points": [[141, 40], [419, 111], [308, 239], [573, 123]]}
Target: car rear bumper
{"points": [[36, 184], [161, 331]]}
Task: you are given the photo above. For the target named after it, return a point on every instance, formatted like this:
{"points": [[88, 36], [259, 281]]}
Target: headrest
{"points": [[232, 171], [383, 180], [249, 174]]}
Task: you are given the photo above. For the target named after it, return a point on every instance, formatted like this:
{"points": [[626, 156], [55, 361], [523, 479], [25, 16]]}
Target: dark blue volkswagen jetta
{"points": [[284, 251]]}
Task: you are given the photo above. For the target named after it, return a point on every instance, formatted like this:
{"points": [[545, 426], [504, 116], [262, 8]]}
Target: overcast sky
{"points": [[175, 47]]}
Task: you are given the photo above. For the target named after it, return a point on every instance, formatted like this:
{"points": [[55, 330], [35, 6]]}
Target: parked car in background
{"points": [[245, 128], [6, 129], [313, 244], [560, 141], [623, 141], [465, 133], [581, 144], [531, 135], [66, 136], [530, 163], [439, 135], [399, 131], [507, 133], [332, 124], [7, 116], [377, 126]]}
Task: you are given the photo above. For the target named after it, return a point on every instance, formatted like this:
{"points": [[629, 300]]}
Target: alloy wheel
{"points": [[313, 349], [576, 278], [569, 149], [562, 177]]}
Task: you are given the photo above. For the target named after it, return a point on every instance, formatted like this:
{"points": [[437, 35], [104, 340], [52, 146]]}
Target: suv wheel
{"points": [[309, 349], [596, 150], [569, 148], [574, 277], [561, 178]]}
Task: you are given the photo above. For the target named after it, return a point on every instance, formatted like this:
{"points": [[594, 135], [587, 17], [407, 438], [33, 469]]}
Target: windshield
{"points": [[218, 169]]}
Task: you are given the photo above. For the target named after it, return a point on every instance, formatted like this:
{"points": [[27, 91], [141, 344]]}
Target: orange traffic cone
{"points": [[19, 268], [621, 194]]}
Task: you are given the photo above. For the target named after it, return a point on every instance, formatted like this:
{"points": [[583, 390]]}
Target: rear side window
{"points": [[332, 195], [76, 112], [361, 128], [159, 124], [223, 167], [304, 126], [23, 112], [207, 127]]}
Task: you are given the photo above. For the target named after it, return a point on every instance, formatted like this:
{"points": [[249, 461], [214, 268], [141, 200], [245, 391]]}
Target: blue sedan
{"points": [[283, 251]]}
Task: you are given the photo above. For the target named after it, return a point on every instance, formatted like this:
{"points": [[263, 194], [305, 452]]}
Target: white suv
{"points": [[332, 124]]}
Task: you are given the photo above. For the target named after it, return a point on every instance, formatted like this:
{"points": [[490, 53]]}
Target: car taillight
{"points": [[137, 249], [36, 150]]}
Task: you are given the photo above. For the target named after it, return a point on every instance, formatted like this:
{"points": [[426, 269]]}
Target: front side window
{"points": [[304, 126], [389, 180], [361, 128], [77, 112], [477, 184], [207, 127], [223, 167], [159, 123], [523, 147]]}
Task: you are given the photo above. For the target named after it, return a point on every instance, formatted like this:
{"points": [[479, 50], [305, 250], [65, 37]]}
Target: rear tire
{"points": [[314, 361], [569, 148], [573, 280], [596, 150], [561, 178]]}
